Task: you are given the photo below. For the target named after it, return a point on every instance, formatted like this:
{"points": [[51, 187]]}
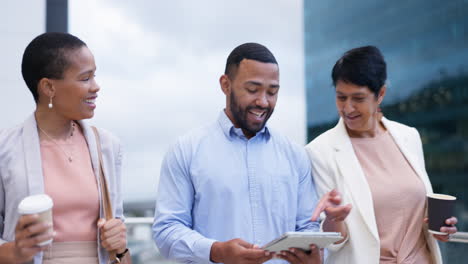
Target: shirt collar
{"points": [[232, 132]]}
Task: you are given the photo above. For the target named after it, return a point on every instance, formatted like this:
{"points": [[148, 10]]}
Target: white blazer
{"points": [[21, 173], [335, 165]]}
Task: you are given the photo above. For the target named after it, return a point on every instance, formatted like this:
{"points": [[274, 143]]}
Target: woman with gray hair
{"points": [[378, 167]]}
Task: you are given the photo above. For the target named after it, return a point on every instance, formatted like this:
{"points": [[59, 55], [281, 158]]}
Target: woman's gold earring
{"points": [[50, 103]]}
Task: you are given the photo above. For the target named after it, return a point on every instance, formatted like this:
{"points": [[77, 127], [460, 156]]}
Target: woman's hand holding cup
{"points": [[440, 210], [449, 229], [29, 232], [33, 231]]}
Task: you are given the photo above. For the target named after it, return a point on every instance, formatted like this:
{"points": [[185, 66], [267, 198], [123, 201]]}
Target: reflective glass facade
{"points": [[425, 44]]}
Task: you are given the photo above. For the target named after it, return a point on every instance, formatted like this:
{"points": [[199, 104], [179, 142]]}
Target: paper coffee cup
{"points": [[440, 207], [40, 204]]}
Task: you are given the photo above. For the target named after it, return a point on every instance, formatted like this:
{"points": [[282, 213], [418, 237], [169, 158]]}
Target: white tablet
{"points": [[302, 240]]}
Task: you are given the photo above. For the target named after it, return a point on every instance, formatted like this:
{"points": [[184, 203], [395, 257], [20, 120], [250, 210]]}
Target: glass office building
{"points": [[425, 44]]}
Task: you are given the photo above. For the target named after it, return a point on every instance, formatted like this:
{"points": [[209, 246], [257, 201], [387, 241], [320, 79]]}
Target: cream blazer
{"points": [[21, 173], [335, 165]]}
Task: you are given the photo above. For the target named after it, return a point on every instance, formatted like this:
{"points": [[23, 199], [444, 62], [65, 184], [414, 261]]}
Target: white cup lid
{"points": [[35, 204]]}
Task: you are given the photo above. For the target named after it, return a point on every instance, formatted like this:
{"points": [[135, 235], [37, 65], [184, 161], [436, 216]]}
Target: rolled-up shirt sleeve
{"points": [[172, 227]]}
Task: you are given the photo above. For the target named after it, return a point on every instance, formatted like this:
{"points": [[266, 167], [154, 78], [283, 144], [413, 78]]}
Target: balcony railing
{"points": [[459, 237], [144, 250]]}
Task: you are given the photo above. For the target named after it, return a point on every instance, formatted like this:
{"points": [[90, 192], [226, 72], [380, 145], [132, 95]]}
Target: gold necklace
{"points": [[69, 156]]}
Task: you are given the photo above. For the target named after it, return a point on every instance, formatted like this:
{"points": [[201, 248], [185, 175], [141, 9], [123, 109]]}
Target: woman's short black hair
{"points": [[363, 66], [249, 51], [47, 57]]}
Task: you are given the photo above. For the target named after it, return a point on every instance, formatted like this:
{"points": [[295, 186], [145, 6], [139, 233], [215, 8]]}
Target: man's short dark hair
{"points": [[47, 57], [363, 66], [250, 51]]}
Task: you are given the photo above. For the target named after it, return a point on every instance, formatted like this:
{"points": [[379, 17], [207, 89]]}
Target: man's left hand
{"points": [[298, 256]]}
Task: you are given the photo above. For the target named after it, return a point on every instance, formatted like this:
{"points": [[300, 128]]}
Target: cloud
{"points": [[159, 63]]}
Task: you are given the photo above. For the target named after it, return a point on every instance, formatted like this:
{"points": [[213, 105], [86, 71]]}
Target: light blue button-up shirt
{"points": [[217, 185]]}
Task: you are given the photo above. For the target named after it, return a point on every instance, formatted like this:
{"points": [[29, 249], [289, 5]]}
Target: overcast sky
{"points": [[158, 67]]}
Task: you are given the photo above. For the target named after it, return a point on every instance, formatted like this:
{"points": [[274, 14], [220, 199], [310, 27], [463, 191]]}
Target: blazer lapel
{"points": [[32, 156], [404, 143], [91, 140], [93, 153], [354, 177]]}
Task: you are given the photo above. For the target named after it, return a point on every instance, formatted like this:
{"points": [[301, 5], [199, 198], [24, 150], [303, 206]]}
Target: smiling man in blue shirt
{"points": [[234, 185]]}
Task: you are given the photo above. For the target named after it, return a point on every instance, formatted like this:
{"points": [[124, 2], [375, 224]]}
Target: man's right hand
{"points": [[29, 232], [238, 251]]}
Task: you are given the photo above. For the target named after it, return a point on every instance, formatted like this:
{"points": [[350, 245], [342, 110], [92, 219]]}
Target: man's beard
{"points": [[240, 116]]}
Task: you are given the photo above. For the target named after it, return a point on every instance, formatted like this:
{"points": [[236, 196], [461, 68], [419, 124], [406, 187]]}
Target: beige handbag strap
{"points": [[106, 202]]}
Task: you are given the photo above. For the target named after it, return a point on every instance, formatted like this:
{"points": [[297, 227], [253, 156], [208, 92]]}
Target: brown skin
{"points": [[113, 235], [252, 91], [28, 232], [238, 251], [69, 95], [297, 256], [358, 106], [251, 95], [69, 99], [452, 229], [330, 203]]}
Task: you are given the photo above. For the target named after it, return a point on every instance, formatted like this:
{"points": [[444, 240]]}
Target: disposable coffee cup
{"points": [[40, 204], [440, 208]]}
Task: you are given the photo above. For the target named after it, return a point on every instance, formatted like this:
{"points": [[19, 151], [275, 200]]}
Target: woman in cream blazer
{"points": [[359, 78]]}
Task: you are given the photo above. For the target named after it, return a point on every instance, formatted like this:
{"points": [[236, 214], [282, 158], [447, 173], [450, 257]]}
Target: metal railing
{"points": [[144, 250], [138, 220], [140, 241], [459, 237]]}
